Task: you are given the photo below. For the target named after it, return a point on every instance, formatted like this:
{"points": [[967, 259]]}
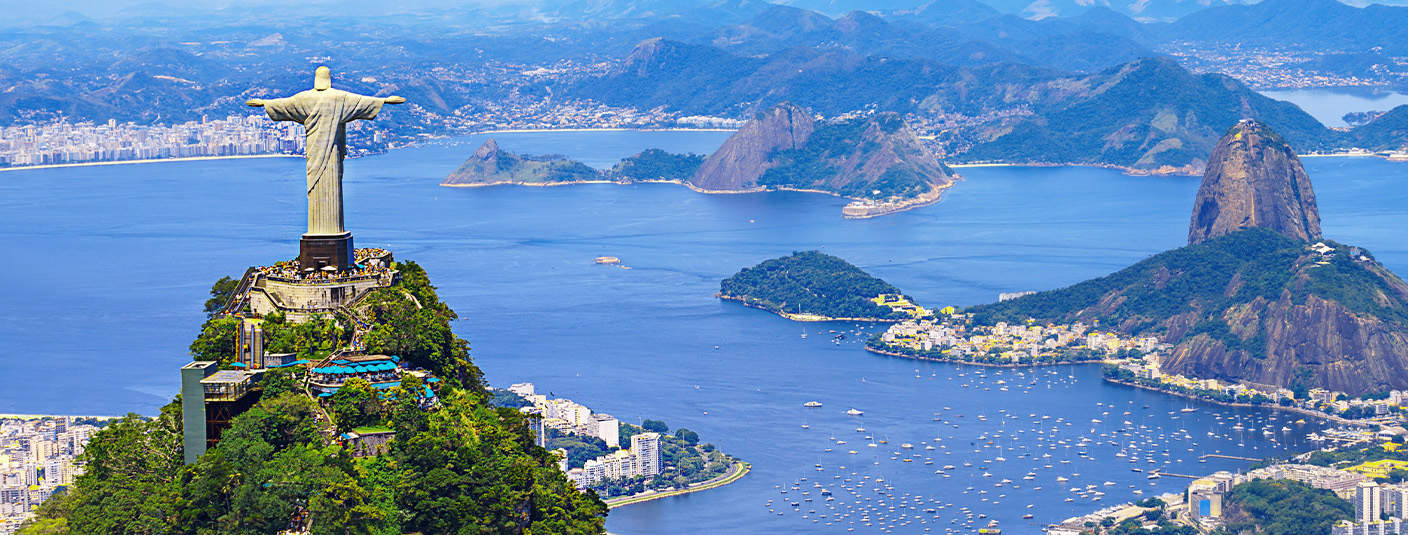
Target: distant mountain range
{"points": [[1150, 114], [984, 78]]}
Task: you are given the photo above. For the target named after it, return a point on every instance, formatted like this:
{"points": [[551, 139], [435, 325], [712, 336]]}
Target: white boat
{"points": [[812, 404], [854, 412]]}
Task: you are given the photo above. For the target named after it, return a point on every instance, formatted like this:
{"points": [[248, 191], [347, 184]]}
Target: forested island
{"points": [[812, 286], [458, 465]]}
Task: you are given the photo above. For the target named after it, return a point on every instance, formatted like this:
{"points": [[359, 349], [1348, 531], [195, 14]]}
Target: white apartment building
{"points": [[643, 459], [1368, 502]]}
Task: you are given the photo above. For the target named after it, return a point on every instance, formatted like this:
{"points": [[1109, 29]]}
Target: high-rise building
{"points": [[1395, 500], [606, 428], [1368, 503], [645, 447]]}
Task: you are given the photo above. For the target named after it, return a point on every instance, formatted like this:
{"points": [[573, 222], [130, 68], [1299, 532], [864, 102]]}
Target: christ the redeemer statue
{"points": [[324, 112]]}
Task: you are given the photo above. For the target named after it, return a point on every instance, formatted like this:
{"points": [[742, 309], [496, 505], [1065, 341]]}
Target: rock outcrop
{"points": [[490, 165], [747, 154], [1253, 179], [875, 159]]}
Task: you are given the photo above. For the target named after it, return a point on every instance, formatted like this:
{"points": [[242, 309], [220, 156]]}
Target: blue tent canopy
{"points": [[433, 380], [238, 365]]}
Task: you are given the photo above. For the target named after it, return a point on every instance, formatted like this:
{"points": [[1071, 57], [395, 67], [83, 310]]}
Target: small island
{"points": [[812, 286]]}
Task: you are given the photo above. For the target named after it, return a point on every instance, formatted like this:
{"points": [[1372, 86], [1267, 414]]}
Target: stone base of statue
{"points": [[300, 294], [320, 251]]}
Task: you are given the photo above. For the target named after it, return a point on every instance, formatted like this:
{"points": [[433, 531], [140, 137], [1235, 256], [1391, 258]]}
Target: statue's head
{"points": [[322, 79]]}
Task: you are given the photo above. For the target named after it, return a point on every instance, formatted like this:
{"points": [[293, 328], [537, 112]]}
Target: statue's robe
{"points": [[324, 115]]}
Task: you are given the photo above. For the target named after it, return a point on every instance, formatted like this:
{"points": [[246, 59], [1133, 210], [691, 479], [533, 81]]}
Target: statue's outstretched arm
{"points": [[255, 102], [393, 99]]}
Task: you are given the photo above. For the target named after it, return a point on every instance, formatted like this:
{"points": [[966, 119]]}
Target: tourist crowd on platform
{"points": [[290, 270]]}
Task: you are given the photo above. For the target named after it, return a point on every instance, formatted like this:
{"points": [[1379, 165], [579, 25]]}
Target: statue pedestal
{"points": [[319, 251]]}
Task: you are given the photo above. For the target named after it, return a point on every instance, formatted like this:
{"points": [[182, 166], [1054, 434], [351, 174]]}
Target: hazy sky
{"points": [[107, 8]]}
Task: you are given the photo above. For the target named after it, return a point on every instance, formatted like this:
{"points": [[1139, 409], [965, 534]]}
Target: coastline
{"points": [[735, 473], [852, 210], [147, 160], [803, 318], [1167, 170], [866, 210], [985, 364], [1297, 410], [43, 416], [605, 129]]}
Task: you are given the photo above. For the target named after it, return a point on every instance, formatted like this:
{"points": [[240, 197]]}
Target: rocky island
{"points": [[492, 166], [876, 161], [1257, 296], [812, 286]]}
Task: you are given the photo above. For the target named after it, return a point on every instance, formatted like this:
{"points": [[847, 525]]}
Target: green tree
{"points": [[220, 294], [131, 482], [689, 437], [216, 341], [355, 405], [655, 426], [278, 381], [341, 508]]}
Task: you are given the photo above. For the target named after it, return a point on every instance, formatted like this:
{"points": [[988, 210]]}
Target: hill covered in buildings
{"points": [[456, 463], [812, 286], [1257, 296]]}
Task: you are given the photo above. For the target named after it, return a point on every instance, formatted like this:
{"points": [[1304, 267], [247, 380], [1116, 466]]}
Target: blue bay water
{"points": [[108, 267], [1330, 104]]}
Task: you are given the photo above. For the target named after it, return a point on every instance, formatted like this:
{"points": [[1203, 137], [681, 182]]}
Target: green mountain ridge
{"points": [[1147, 114], [1252, 305]]}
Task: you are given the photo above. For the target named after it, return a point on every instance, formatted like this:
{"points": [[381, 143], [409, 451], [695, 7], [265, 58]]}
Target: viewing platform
{"points": [[303, 292]]}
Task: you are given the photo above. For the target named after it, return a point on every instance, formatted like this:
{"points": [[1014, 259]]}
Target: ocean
{"points": [[108, 268]]}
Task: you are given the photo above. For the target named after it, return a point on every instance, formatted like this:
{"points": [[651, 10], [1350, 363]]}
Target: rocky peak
{"points": [[488, 150], [1253, 179], [745, 156], [646, 54]]}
